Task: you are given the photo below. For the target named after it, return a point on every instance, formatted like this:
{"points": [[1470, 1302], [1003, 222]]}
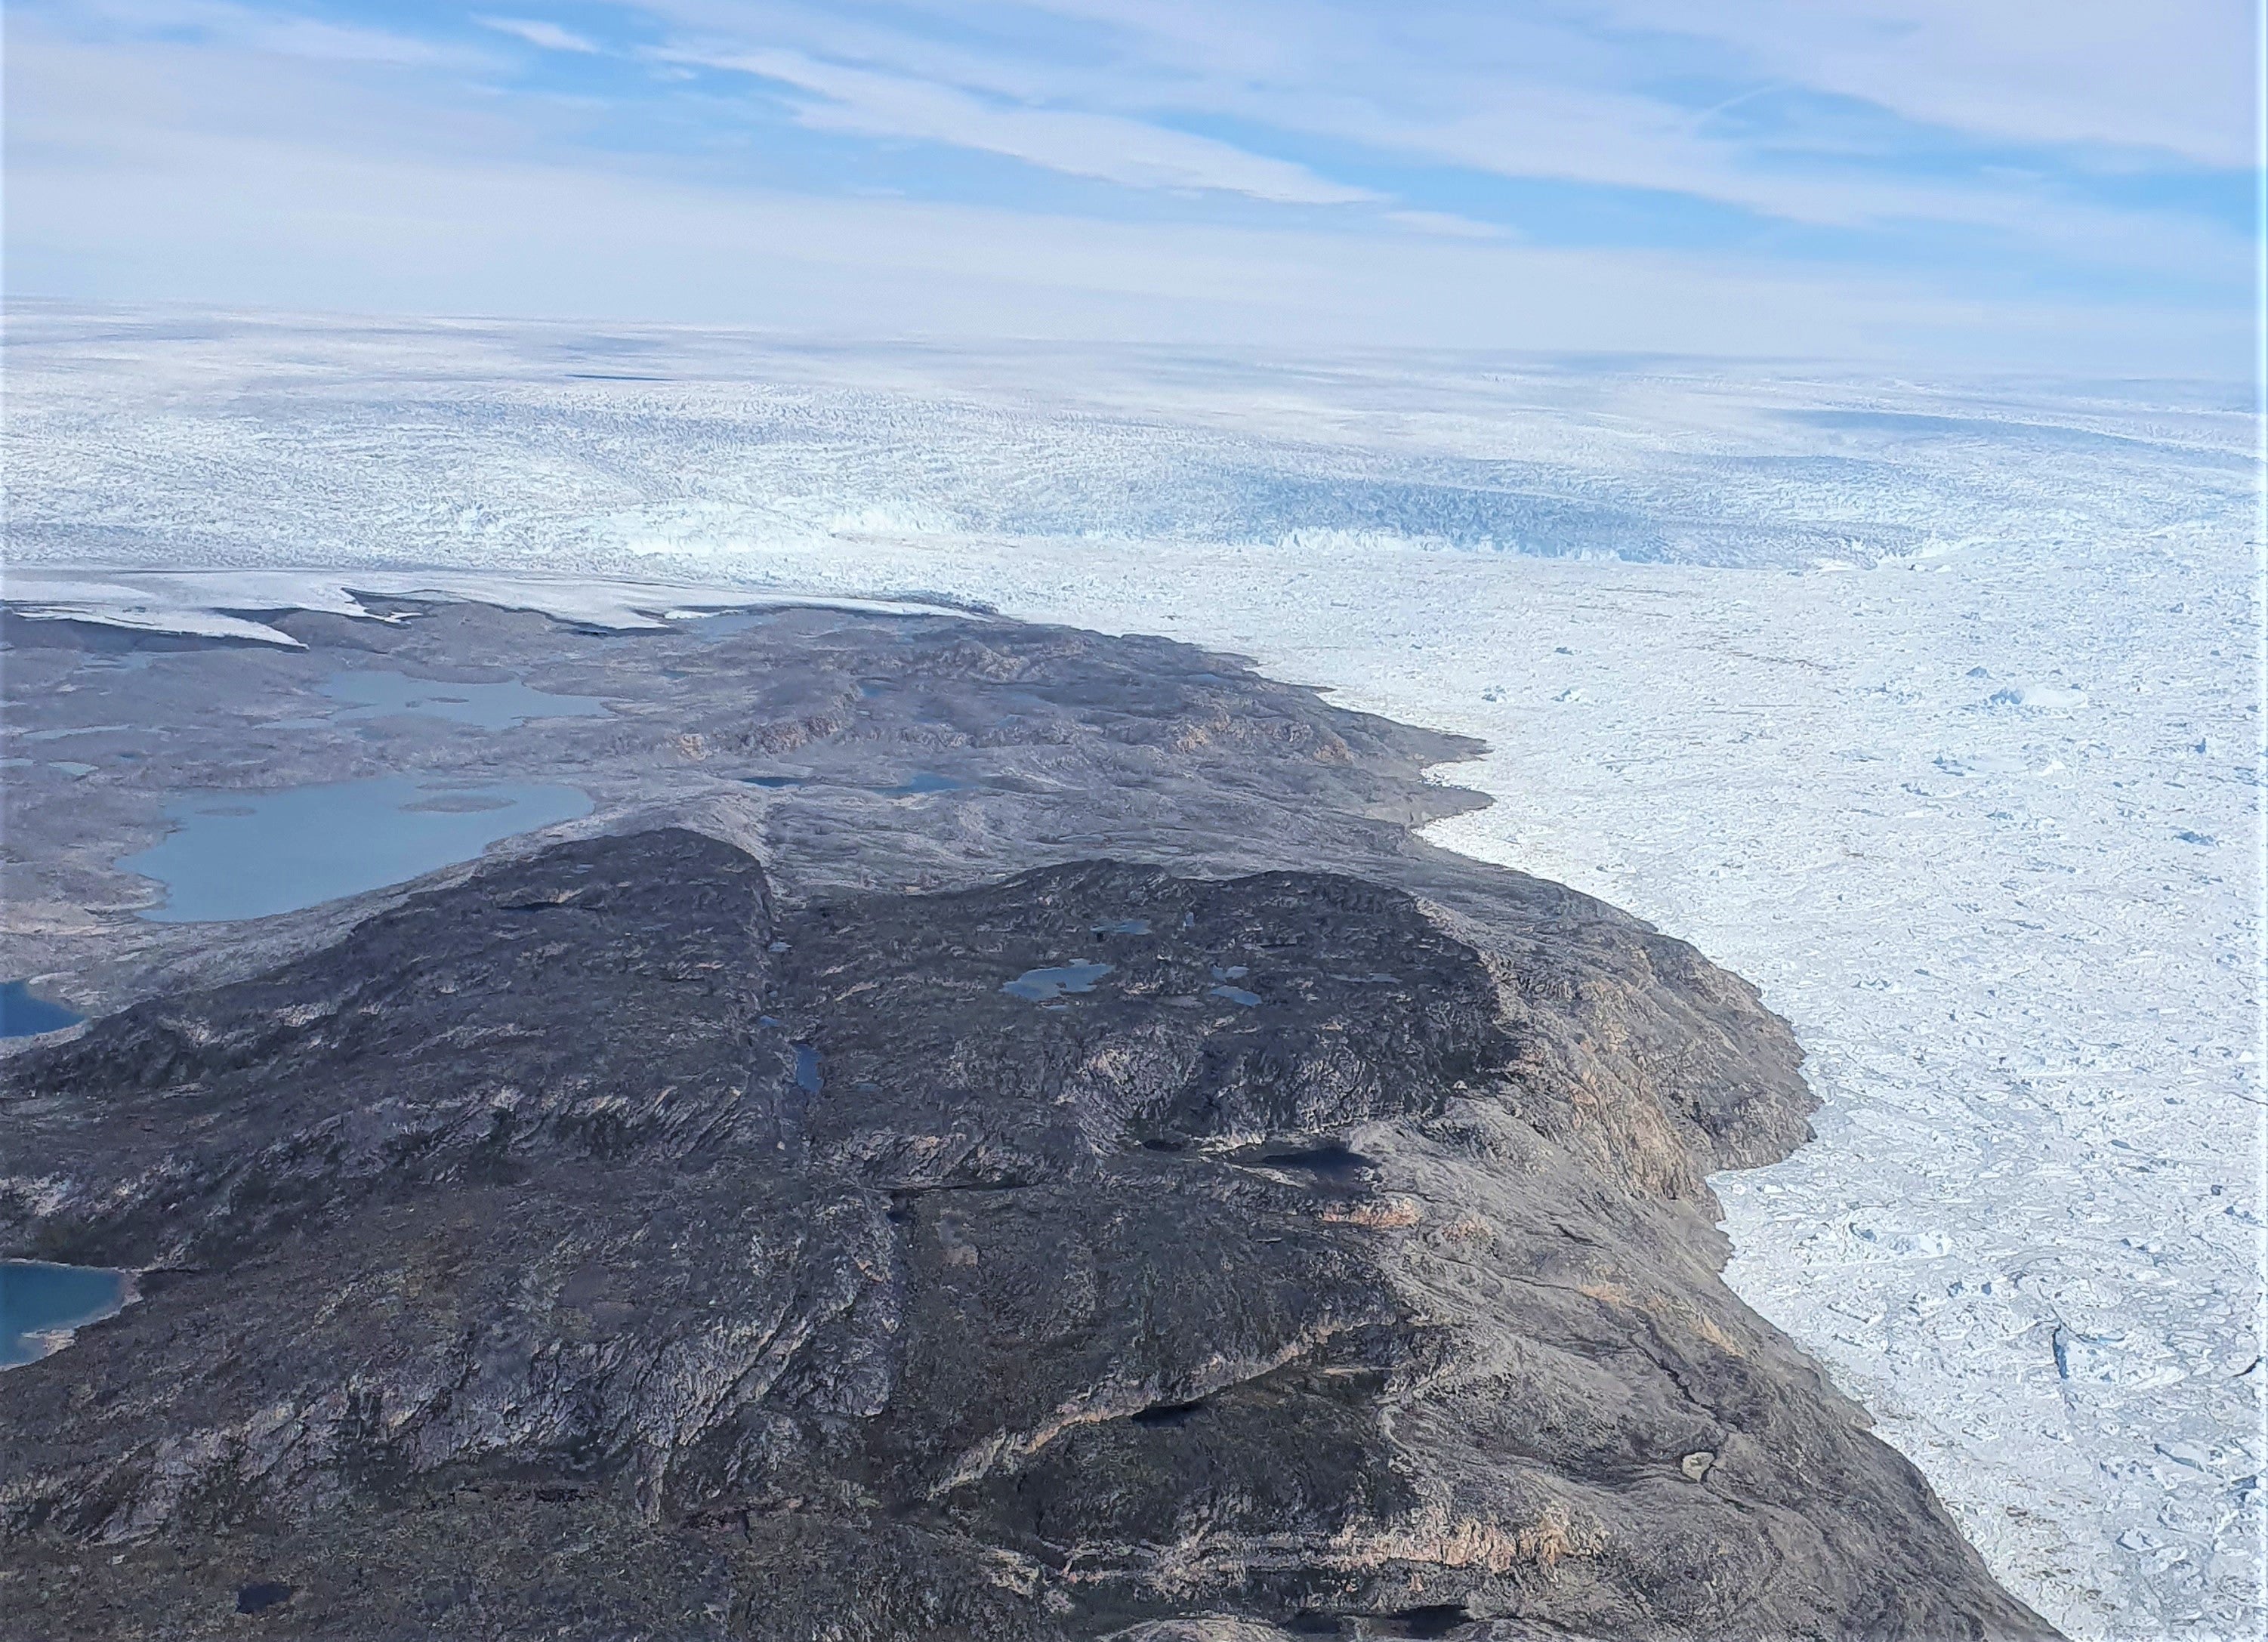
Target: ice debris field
{"points": [[1930, 709]]}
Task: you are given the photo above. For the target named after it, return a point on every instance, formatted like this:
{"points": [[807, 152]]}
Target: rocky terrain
{"points": [[1115, 1184]]}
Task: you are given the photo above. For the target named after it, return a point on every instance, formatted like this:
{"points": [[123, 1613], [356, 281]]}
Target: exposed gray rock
{"points": [[612, 1246]]}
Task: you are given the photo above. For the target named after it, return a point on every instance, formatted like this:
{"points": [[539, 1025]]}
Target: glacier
{"points": [[1932, 708]]}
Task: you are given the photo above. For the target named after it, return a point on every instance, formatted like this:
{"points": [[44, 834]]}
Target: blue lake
{"points": [[249, 855], [375, 694], [1041, 986], [22, 1015], [923, 781], [37, 1299]]}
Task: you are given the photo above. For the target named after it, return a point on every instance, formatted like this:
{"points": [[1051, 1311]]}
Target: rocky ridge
{"points": [[660, 1234]]}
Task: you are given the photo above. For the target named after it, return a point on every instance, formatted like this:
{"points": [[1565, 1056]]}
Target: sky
{"points": [[2029, 183]]}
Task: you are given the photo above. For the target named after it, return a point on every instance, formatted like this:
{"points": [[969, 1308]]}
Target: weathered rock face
{"points": [[595, 1250]]}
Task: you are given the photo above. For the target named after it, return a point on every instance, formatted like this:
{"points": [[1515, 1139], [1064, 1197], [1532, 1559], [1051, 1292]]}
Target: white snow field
{"points": [[1933, 712]]}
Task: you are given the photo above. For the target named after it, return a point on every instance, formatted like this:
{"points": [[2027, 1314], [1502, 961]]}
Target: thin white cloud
{"points": [[213, 151], [1542, 93], [1107, 147], [536, 32], [1446, 223], [165, 174], [311, 39], [2172, 75]]}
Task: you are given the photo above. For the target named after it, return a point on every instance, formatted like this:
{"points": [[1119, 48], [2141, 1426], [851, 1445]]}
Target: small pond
{"points": [[923, 781], [1242, 997], [1042, 986], [1332, 1159], [22, 1015], [250, 855], [40, 1304]]}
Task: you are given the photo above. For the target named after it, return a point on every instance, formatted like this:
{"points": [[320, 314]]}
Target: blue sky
{"points": [[1994, 181]]}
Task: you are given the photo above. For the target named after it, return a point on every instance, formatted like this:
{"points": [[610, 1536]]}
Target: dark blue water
{"points": [[22, 1015], [1041, 986], [262, 1594], [806, 1069], [1332, 1160], [373, 694], [249, 855], [37, 1298]]}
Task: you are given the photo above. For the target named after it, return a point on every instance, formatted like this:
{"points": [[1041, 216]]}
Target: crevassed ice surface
{"points": [[1930, 709]]}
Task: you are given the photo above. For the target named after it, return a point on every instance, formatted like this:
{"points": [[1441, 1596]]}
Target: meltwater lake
{"points": [[39, 1301], [250, 855], [25, 1014]]}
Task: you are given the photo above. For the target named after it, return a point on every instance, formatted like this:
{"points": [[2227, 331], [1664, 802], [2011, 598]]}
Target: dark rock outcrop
{"points": [[595, 1249]]}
